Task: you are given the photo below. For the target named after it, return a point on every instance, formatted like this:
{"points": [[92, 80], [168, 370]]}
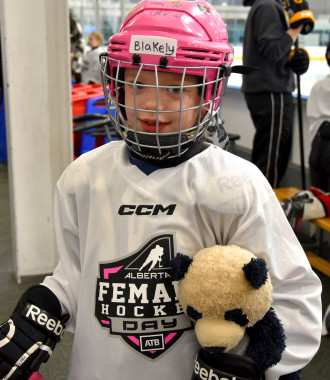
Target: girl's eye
{"points": [[175, 90], [139, 86]]}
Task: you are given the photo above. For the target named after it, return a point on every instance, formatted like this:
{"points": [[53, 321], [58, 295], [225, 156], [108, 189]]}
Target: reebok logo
{"points": [[208, 373], [43, 320]]}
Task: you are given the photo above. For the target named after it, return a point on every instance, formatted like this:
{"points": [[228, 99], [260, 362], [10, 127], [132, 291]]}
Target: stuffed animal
{"points": [[227, 292]]}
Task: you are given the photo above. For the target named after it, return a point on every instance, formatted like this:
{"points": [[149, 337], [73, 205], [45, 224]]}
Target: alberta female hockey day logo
{"points": [[136, 299]]}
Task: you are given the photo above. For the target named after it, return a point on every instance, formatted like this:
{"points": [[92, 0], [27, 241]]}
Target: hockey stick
{"points": [[300, 127]]}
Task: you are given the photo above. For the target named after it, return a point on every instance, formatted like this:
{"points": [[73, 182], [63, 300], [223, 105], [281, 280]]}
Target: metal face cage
{"points": [[159, 145]]}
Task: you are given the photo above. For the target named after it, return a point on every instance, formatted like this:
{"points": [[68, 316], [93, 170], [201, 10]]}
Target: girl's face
{"points": [[93, 41], [168, 100]]}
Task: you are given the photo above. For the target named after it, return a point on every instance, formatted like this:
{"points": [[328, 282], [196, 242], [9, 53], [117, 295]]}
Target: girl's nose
{"points": [[154, 97]]}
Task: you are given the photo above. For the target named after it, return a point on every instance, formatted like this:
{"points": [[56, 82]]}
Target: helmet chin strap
{"points": [[156, 148], [151, 153]]}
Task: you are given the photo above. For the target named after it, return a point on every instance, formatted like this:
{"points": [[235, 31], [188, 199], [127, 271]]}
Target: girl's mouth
{"points": [[150, 125]]}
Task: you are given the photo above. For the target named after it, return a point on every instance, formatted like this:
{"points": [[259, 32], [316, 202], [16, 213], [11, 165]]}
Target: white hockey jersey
{"points": [[117, 230]]}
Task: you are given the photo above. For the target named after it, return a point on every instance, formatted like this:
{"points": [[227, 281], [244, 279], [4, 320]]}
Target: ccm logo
{"points": [[35, 314], [146, 209]]}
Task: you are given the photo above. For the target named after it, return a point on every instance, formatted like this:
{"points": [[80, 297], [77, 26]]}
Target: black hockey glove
{"points": [[300, 14], [28, 338], [230, 366], [299, 60], [224, 366]]}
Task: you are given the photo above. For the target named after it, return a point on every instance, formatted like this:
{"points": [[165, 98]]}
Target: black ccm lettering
{"points": [[146, 209]]}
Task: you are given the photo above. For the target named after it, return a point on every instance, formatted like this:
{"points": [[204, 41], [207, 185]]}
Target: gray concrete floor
{"points": [[56, 368]]}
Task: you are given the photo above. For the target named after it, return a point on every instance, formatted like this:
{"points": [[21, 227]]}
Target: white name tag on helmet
{"points": [[153, 45]]}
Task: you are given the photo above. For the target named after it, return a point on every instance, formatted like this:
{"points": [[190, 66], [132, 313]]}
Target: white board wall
{"points": [[35, 45]]}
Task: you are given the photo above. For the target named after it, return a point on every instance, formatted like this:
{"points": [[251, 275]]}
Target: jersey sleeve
{"points": [[264, 230], [65, 280]]}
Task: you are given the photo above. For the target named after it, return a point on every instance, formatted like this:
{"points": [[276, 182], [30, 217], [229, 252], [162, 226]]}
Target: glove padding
{"points": [[28, 338], [298, 60], [300, 14]]}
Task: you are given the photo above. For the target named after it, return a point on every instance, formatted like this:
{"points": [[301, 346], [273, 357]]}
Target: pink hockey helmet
{"points": [[182, 36]]}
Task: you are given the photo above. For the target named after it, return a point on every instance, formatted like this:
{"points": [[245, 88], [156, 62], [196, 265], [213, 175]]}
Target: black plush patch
{"points": [[193, 313], [267, 341], [256, 272], [237, 316], [179, 266]]}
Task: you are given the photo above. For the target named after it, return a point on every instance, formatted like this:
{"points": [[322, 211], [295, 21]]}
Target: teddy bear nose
{"points": [[217, 332], [215, 350]]}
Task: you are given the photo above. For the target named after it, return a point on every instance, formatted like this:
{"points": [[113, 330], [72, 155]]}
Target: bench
{"points": [[316, 261]]}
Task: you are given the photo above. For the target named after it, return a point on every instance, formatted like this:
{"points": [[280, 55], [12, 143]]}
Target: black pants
{"points": [[319, 159], [272, 115]]}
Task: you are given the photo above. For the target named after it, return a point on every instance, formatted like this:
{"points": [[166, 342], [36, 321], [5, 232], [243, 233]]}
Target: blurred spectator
{"points": [[268, 90], [77, 44], [318, 114], [90, 70]]}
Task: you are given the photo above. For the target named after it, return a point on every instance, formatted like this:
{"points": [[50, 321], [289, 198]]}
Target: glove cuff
{"points": [[304, 17]]}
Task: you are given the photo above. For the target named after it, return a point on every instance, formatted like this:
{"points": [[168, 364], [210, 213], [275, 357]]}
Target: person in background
{"points": [[318, 114], [268, 40], [77, 45], [315, 202], [90, 69]]}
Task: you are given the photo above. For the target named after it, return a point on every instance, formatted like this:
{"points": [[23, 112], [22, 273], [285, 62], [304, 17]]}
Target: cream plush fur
{"points": [[214, 284]]}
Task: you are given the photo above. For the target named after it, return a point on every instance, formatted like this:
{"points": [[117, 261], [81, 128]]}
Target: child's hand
{"points": [[29, 337]]}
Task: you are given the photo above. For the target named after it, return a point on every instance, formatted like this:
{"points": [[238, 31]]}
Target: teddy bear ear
{"points": [[256, 272], [179, 266]]}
